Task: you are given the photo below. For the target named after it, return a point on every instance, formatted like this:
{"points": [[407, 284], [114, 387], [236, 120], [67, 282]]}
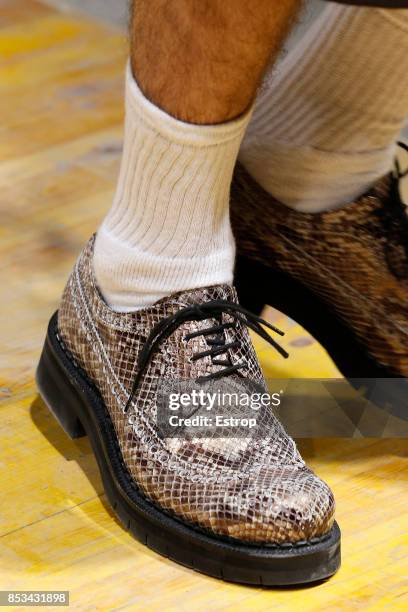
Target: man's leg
{"points": [[169, 230], [324, 212], [324, 129], [196, 67]]}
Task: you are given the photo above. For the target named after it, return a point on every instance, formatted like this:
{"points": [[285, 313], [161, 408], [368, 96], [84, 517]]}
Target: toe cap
{"points": [[282, 507]]}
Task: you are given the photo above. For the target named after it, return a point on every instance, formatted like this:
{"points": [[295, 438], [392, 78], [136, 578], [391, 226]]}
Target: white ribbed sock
{"points": [[168, 229], [325, 123]]}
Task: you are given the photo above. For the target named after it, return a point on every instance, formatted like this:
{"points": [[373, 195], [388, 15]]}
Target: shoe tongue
{"points": [[204, 294]]}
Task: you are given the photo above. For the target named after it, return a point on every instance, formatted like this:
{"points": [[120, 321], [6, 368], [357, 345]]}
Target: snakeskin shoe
{"points": [[342, 274], [246, 510]]}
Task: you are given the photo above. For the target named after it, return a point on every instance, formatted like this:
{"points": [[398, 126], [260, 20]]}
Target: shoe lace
{"points": [[398, 172], [394, 216], [213, 309]]}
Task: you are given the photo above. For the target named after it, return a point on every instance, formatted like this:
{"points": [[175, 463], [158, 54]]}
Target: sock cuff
{"points": [[138, 277], [173, 129]]}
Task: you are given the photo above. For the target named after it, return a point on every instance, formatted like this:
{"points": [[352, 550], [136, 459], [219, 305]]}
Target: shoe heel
{"points": [[59, 394], [251, 280]]}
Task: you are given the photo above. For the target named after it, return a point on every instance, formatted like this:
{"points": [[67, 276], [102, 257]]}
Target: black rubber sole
{"points": [[79, 409], [259, 285]]}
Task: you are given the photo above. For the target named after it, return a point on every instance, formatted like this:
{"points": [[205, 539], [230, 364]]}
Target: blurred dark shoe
{"points": [[341, 274]]}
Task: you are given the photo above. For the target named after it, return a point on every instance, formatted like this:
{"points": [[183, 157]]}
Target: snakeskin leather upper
{"points": [[355, 258], [252, 490]]}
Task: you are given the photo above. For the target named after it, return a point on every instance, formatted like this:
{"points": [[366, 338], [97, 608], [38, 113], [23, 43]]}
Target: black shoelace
{"points": [[394, 217], [400, 173], [213, 309]]}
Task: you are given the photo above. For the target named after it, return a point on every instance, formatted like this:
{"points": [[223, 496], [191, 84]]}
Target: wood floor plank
{"points": [[62, 110], [34, 54], [12, 12]]}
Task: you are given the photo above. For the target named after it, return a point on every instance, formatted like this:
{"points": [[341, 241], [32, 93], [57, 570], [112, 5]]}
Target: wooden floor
{"points": [[60, 141]]}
